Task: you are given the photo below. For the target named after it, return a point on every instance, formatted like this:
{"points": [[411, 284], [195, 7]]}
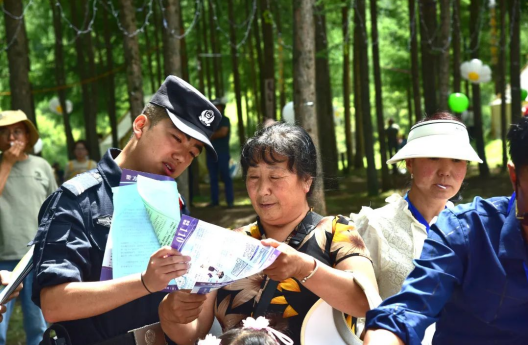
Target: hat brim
{"points": [[33, 135], [436, 146], [192, 131]]}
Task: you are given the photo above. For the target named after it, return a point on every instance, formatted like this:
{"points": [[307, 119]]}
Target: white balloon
{"points": [[55, 107], [479, 72], [288, 113], [38, 146]]}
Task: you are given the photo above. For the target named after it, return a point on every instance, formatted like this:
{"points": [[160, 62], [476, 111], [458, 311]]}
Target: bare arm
{"points": [[187, 317], [333, 285], [94, 298], [381, 337]]}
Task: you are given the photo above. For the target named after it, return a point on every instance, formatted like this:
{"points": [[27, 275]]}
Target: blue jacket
{"points": [[470, 279], [73, 228]]}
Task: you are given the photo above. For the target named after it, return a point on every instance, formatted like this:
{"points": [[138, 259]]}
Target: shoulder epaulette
{"points": [[82, 182]]}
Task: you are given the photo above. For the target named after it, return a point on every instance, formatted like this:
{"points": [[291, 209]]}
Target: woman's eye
{"points": [[457, 160], [252, 177]]}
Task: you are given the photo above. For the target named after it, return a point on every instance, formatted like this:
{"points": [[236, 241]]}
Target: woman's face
{"points": [[277, 194], [438, 178], [80, 151]]}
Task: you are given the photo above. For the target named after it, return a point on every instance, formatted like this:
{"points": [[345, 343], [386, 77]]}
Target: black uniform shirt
{"points": [[73, 228]]}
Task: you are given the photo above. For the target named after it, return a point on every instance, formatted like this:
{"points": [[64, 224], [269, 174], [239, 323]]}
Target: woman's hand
{"points": [[290, 262], [165, 265]]}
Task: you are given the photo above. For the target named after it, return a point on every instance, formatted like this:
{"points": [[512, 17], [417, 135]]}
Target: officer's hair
{"points": [[247, 336], [283, 139], [154, 113], [518, 139]]}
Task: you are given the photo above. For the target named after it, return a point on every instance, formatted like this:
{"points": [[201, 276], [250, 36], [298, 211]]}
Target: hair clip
{"points": [[209, 340], [262, 323]]}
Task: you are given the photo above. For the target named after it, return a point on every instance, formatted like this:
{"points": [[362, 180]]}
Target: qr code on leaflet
{"points": [[249, 251], [239, 267]]}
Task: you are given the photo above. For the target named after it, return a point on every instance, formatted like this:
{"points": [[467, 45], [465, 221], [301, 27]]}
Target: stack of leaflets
{"points": [[147, 217], [22, 269]]}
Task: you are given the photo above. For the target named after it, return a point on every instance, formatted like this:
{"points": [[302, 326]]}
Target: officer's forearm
{"points": [[381, 337], [73, 301]]}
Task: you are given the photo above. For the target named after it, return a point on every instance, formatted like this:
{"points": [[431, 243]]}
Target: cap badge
{"points": [[206, 117]]}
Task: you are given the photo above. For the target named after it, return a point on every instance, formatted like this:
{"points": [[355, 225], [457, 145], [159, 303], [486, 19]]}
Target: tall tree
{"points": [[171, 43], [183, 45], [502, 81], [199, 58], [150, 68], [345, 24], [132, 60], [474, 33], [217, 57], [385, 178], [304, 85], [443, 57], [157, 41], [207, 61], [110, 81], [428, 25], [515, 60], [18, 59], [60, 76], [253, 69], [268, 72], [415, 74], [260, 61], [236, 76], [358, 111], [456, 46], [280, 53], [368, 137], [325, 109]]}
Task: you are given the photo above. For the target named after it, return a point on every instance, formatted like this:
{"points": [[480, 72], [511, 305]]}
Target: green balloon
{"points": [[458, 102], [524, 94]]}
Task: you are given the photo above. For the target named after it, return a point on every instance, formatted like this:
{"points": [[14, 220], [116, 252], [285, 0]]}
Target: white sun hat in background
{"points": [[437, 139]]}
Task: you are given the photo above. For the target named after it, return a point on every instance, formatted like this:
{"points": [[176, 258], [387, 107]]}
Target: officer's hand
{"points": [[5, 278], [165, 265], [181, 307], [15, 153]]}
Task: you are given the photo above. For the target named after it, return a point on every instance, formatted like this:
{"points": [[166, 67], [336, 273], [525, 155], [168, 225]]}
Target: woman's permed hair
{"points": [[518, 139], [247, 336], [283, 139]]}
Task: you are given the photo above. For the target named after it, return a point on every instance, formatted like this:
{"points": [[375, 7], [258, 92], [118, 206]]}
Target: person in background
{"points": [[25, 182], [472, 276], [392, 132], [58, 172], [82, 161], [220, 141]]}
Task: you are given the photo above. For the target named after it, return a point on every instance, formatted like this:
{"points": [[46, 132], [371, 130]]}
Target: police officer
{"points": [[74, 223]]}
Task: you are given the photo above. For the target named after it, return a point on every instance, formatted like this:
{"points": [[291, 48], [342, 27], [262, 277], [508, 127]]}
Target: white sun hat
{"points": [[437, 139]]}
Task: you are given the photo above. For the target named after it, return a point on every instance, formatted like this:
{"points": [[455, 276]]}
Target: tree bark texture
{"points": [[346, 84], [132, 59], [457, 79], [60, 77], [110, 81], [443, 57], [385, 178], [502, 81], [268, 73], [171, 43], [304, 85], [253, 71], [217, 59], [475, 88], [157, 42], [325, 109], [260, 60], [415, 65], [515, 60], [18, 60], [207, 60], [358, 112], [428, 24]]}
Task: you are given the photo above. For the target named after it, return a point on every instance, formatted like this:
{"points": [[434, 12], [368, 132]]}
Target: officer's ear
{"points": [[140, 124], [513, 175]]}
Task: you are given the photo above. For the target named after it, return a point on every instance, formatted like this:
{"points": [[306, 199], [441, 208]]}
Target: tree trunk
{"points": [[415, 74], [427, 42], [443, 57], [409, 106], [200, 60], [207, 63], [346, 85], [268, 74], [260, 58], [60, 77], [325, 109], [18, 60], [456, 47], [150, 69], [183, 44], [515, 60], [372, 178], [132, 59], [171, 43], [282, 84], [502, 82], [236, 76], [253, 71], [475, 88], [304, 85], [110, 83], [157, 43], [358, 112], [385, 178], [217, 59]]}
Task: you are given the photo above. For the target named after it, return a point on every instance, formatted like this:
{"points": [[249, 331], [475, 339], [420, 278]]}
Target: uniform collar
{"points": [[511, 241], [110, 171]]}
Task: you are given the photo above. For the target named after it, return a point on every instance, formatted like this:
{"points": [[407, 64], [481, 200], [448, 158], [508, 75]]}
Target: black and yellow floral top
{"points": [[333, 240]]}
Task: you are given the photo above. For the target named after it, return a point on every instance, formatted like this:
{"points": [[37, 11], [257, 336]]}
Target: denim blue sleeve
{"points": [[429, 286]]}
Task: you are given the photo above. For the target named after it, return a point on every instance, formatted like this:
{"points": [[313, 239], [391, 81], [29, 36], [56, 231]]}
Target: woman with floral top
{"points": [[436, 155], [279, 166]]}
